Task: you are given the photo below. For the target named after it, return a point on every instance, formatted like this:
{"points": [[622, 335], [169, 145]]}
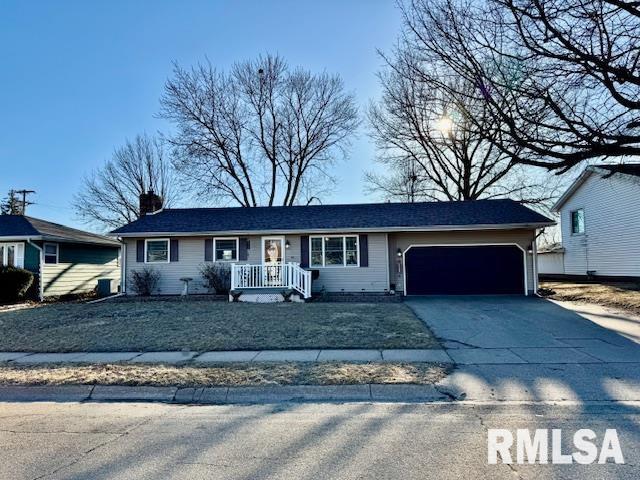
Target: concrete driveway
{"points": [[527, 348]]}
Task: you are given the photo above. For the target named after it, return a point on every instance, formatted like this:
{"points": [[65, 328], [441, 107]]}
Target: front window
{"points": [[157, 251], [334, 251], [51, 253], [10, 255], [226, 249], [316, 252], [577, 221]]}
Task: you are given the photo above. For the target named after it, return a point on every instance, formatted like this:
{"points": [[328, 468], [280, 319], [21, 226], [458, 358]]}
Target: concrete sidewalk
{"points": [[399, 355]]}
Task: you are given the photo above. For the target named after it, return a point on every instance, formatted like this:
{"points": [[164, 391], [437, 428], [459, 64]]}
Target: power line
{"points": [[47, 205]]}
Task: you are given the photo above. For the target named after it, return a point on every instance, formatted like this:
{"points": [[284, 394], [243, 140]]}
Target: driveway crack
{"points": [[512, 467], [458, 342]]}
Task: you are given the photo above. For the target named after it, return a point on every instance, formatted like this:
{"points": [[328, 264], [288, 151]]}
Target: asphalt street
{"points": [[301, 441]]}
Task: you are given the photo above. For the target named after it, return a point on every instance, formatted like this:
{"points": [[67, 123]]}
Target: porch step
{"points": [[265, 295], [261, 290]]}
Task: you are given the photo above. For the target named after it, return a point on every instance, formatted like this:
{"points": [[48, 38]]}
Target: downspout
{"points": [[534, 246], [123, 267], [535, 268], [40, 269]]}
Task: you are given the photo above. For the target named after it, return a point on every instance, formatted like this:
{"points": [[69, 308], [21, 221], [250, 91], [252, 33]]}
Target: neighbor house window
{"points": [[51, 253], [334, 251], [226, 249], [577, 221], [157, 251], [11, 255]]}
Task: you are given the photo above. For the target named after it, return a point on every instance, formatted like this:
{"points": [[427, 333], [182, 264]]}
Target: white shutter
{"points": [[20, 255]]}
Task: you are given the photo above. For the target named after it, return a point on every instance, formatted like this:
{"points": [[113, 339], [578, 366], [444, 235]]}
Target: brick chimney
{"points": [[149, 203]]}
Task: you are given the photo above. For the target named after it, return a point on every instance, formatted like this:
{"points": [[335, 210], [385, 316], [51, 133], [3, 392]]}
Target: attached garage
{"points": [[465, 270]]}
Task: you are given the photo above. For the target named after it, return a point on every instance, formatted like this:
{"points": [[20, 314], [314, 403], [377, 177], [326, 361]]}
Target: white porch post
{"points": [[233, 276]]}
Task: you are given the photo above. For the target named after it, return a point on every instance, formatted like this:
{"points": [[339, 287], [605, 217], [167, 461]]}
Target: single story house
{"points": [[64, 260], [470, 247], [600, 223]]}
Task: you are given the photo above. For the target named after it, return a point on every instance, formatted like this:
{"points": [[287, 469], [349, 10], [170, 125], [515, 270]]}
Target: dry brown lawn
{"points": [[238, 374], [617, 295], [206, 326]]}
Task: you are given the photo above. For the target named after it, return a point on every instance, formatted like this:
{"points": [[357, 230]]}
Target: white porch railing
{"points": [[286, 275]]}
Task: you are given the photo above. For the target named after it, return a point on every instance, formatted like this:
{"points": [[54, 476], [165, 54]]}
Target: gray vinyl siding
{"points": [[189, 264], [374, 278], [611, 242], [523, 238], [384, 265]]}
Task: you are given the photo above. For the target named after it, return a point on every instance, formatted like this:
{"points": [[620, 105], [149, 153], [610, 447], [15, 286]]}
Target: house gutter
{"points": [[439, 228], [21, 238], [40, 268]]}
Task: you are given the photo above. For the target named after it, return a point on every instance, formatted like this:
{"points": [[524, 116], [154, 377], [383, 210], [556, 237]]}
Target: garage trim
{"points": [[404, 265]]}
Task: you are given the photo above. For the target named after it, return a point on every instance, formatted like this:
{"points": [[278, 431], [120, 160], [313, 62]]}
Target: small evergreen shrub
{"points": [[144, 282], [14, 283], [217, 277]]}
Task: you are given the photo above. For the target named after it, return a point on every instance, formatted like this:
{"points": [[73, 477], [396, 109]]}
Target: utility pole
{"points": [[24, 194]]}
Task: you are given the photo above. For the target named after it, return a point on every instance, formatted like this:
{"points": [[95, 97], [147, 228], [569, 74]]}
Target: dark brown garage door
{"points": [[464, 270]]}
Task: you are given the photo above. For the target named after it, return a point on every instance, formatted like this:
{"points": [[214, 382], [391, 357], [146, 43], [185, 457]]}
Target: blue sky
{"points": [[79, 77]]}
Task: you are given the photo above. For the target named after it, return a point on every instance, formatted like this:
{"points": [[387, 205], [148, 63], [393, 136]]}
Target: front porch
{"points": [[269, 282]]}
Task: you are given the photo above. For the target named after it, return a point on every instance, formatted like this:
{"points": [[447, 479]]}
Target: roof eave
{"points": [[19, 238], [107, 242], [572, 188], [433, 228]]}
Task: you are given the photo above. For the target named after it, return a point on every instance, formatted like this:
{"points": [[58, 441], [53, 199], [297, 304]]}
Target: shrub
{"points": [[14, 283], [286, 295], [217, 277], [145, 281], [546, 292]]}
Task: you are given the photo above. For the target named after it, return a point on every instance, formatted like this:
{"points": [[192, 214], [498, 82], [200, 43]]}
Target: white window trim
{"points": [[45, 254], [18, 260], [237, 239], [157, 240], [344, 251], [584, 221]]}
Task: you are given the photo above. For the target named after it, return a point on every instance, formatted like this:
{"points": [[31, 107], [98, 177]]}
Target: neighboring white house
{"points": [[600, 222]]}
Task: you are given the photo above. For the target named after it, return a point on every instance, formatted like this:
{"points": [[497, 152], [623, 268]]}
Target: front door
{"points": [[273, 261]]}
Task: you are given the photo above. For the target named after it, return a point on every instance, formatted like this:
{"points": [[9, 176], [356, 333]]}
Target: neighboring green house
{"points": [[68, 261]]}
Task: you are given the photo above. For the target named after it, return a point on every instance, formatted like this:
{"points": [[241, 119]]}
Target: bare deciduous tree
{"points": [[560, 78], [437, 147], [110, 195], [262, 134]]}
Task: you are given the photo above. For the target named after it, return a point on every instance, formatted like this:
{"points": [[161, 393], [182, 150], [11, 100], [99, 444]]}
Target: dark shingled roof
{"points": [[626, 168], [23, 226], [329, 217]]}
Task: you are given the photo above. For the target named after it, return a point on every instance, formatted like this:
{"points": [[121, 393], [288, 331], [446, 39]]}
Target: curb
{"points": [[224, 395], [432, 355]]}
